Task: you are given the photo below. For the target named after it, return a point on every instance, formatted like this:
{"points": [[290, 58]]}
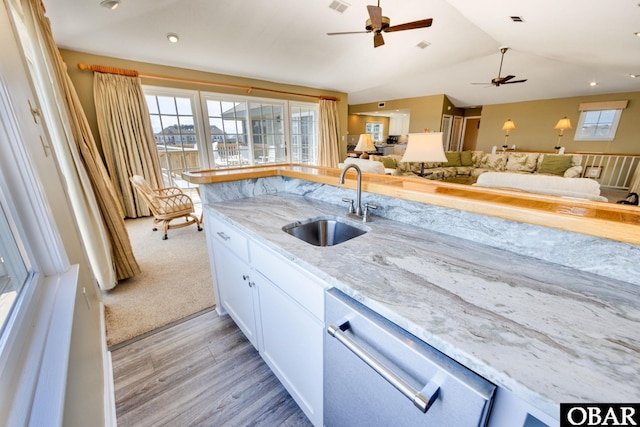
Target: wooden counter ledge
{"points": [[607, 220]]}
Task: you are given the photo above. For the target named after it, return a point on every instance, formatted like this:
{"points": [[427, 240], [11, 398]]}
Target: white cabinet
{"points": [[235, 291], [292, 317], [278, 306]]}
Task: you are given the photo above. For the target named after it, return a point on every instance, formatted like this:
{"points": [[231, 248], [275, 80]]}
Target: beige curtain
{"points": [[329, 134], [87, 164], [127, 138]]}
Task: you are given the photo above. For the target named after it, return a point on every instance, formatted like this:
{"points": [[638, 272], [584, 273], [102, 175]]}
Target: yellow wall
{"points": [[535, 121], [426, 111], [83, 82], [358, 123]]}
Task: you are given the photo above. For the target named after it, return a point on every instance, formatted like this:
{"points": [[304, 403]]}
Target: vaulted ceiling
{"points": [[560, 47]]}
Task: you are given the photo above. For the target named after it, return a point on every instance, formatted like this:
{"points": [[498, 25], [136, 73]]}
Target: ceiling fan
{"points": [[502, 80], [379, 24]]}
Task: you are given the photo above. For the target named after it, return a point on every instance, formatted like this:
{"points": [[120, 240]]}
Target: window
{"points": [[376, 130], [175, 128], [304, 133], [598, 125], [599, 120], [13, 270], [236, 131]]}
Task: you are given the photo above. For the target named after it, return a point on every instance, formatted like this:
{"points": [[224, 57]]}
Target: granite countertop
{"points": [[548, 333]]}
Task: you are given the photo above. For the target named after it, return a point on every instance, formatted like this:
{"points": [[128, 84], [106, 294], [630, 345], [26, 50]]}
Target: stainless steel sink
{"points": [[325, 230]]}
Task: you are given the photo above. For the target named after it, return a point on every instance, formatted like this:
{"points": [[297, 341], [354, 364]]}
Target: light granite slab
{"points": [[608, 258], [546, 332]]}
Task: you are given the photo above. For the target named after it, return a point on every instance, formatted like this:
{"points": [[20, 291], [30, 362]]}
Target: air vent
{"points": [[517, 19], [423, 44], [339, 6]]}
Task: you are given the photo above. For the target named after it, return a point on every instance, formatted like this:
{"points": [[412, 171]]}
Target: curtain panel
{"points": [[329, 143], [128, 142], [111, 260]]}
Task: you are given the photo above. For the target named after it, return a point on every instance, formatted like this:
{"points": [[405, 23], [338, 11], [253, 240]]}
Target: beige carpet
{"points": [[175, 282]]}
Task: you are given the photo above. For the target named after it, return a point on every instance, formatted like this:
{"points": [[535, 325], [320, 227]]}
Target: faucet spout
{"points": [[359, 188]]}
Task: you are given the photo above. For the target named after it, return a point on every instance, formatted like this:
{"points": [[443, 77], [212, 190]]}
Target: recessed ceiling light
{"points": [[593, 84], [173, 37], [637, 33], [633, 76], [423, 44], [110, 4]]}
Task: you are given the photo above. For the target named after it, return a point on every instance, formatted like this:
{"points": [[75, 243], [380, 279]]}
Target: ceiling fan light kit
{"points": [[110, 4], [377, 24]]}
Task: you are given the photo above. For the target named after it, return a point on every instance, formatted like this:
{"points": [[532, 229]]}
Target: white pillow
{"points": [[366, 165]]}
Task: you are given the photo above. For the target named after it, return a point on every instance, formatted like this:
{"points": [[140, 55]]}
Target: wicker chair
{"points": [[166, 204]]}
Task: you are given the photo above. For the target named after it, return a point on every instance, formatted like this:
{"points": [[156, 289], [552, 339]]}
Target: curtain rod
{"points": [[249, 89]]}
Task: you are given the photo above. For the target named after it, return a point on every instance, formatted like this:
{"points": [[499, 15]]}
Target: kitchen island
{"points": [[546, 332]]}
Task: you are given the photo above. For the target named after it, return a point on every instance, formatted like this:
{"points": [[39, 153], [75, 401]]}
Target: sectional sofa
{"points": [[475, 163], [541, 173]]}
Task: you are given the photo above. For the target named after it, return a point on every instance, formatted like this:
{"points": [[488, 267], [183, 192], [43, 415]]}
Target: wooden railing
{"points": [[610, 170]]}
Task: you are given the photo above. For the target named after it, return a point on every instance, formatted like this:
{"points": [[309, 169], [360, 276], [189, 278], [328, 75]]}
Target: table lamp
{"points": [[365, 144], [563, 123], [424, 147], [507, 126]]}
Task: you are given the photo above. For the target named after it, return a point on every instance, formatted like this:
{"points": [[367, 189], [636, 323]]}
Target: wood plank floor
{"points": [[201, 372]]}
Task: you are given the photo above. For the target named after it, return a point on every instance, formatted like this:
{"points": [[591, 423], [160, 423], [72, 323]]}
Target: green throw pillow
{"points": [[388, 162], [554, 164], [466, 158], [453, 159]]}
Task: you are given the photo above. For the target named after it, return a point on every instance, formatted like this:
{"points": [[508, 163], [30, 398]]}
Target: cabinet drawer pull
{"points": [[223, 236], [422, 399]]}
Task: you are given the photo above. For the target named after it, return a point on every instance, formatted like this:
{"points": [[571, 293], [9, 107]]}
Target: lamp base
{"points": [[364, 155]]}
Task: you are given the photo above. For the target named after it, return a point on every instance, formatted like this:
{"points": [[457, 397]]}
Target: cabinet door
{"points": [[292, 347], [236, 290]]}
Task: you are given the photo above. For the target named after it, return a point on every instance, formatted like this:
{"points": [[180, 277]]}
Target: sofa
{"points": [[475, 163], [542, 173]]}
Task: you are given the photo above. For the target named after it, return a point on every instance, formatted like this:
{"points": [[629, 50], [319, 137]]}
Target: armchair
{"points": [[166, 204]]}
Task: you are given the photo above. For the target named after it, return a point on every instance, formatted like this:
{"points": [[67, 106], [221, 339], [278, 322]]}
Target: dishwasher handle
{"points": [[422, 399]]}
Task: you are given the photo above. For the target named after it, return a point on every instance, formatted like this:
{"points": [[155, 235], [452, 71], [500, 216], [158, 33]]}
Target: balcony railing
{"points": [[610, 170]]}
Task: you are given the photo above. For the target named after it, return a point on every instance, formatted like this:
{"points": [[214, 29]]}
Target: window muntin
{"points": [[228, 132], [597, 125]]}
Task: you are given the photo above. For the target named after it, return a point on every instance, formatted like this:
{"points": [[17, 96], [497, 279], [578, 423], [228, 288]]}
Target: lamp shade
{"points": [[563, 124], [424, 147], [508, 125], [365, 143]]}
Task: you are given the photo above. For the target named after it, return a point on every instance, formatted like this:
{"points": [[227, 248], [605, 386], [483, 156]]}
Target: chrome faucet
{"points": [[358, 210]]}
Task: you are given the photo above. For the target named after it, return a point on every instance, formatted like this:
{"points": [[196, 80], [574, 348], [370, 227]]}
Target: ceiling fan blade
{"points": [[375, 14], [410, 25], [347, 32], [506, 78], [514, 81], [378, 40]]}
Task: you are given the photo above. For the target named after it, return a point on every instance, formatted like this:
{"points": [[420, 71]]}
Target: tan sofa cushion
{"points": [[522, 162], [554, 164], [496, 162]]}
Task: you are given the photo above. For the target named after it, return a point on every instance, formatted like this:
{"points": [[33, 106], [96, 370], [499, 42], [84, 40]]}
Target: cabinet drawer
{"points": [[228, 236], [304, 289]]}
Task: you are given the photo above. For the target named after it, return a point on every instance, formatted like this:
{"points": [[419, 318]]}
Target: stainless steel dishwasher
{"points": [[377, 374]]}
